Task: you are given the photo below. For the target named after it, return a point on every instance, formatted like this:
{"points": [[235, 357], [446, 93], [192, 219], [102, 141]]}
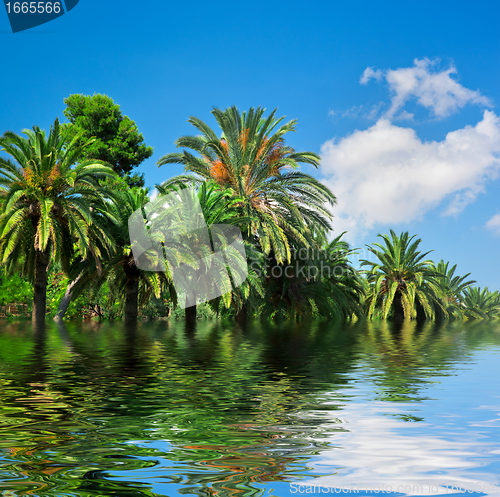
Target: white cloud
{"points": [[359, 111], [353, 112], [386, 174], [369, 73], [435, 90], [494, 223], [374, 111], [153, 195], [404, 116]]}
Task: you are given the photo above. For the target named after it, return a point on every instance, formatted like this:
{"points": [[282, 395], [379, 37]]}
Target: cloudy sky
{"points": [[400, 100], [385, 174]]}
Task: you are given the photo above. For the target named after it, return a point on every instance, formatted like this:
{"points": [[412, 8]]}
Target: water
{"points": [[98, 409]]}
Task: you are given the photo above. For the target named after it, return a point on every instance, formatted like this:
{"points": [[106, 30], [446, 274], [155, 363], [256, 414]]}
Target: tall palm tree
{"points": [[192, 251], [45, 203], [401, 279], [129, 283], [317, 282], [452, 288], [251, 158]]}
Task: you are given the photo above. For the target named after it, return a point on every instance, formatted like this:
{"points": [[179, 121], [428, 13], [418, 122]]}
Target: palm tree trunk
{"points": [[399, 313], [421, 316], [242, 315], [66, 300], [40, 287], [190, 313], [131, 292]]}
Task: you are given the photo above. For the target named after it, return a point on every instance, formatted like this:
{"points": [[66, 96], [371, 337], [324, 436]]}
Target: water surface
{"points": [[101, 409]]}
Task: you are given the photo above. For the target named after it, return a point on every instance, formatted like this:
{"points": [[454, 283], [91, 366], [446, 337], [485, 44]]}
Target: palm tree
{"points": [[452, 288], [130, 284], [346, 287], [481, 304], [84, 271], [401, 280], [318, 282], [251, 159], [192, 250], [45, 203]]}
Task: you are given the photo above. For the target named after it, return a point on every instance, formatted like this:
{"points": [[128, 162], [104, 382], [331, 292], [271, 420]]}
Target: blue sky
{"points": [[413, 148]]}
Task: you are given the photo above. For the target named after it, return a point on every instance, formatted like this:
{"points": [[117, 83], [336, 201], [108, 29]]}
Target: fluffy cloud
{"points": [[386, 174], [369, 73], [435, 90], [494, 223]]}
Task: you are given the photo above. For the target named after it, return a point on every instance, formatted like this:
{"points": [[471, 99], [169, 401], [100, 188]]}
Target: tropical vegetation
{"points": [[251, 158], [242, 212], [45, 204], [401, 281]]}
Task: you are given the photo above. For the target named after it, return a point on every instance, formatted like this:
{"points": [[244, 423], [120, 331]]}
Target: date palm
{"points": [[251, 158], [46, 202], [401, 279], [128, 282], [317, 282], [452, 288], [481, 304], [218, 207]]}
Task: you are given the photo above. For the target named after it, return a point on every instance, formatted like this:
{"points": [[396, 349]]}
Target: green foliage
{"points": [[116, 263], [46, 203], [45, 198], [481, 304], [14, 289], [90, 302], [451, 289], [401, 280], [203, 311], [218, 206], [56, 286], [316, 283], [156, 308], [117, 139], [251, 159], [60, 199]]}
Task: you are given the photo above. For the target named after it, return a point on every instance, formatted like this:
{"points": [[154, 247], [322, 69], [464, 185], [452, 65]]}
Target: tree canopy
{"points": [[117, 139], [252, 159], [401, 278], [242, 233], [45, 203]]}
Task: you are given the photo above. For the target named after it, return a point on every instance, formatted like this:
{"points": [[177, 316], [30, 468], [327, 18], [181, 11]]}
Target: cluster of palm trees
{"points": [[403, 283], [59, 210]]}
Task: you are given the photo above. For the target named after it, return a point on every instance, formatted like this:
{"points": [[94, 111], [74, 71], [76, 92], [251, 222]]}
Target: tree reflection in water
{"points": [[212, 409]]}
